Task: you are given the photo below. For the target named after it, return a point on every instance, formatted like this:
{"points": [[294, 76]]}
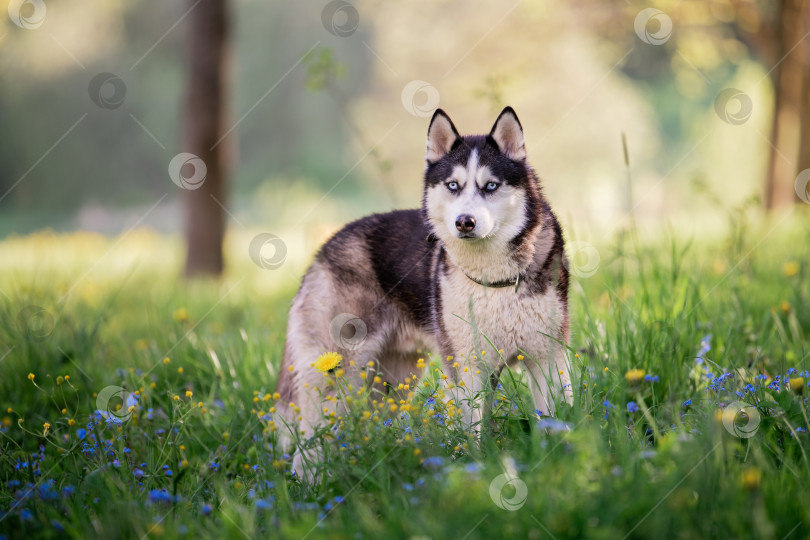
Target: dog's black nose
{"points": [[465, 223]]}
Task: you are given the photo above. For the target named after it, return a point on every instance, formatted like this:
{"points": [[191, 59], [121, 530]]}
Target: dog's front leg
{"points": [[550, 379], [466, 385]]}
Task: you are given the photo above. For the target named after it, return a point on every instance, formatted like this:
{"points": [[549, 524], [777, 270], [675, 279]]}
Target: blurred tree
{"points": [[205, 112], [705, 48], [776, 42]]}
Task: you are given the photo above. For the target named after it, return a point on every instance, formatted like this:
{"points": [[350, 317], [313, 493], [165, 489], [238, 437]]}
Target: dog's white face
{"points": [[475, 186], [472, 204]]}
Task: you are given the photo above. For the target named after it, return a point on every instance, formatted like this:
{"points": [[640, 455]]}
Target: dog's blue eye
{"points": [[491, 186], [452, 186]]}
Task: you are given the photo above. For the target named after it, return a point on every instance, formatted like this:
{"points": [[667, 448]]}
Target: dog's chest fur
{"points": [[514, 321]]}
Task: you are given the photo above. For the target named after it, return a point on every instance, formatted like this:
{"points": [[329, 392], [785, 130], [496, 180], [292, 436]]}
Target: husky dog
{"points": [[478, 275]]}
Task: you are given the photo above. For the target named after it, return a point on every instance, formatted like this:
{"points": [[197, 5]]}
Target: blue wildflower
{"points": [[632, 407], [159, 496], [552, 425], [433, 462]]}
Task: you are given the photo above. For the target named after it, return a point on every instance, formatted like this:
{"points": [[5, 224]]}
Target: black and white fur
{"points": [[482, 257]]}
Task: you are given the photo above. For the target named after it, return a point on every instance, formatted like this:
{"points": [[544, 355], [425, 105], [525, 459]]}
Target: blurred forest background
{"points": [[325, 106]]}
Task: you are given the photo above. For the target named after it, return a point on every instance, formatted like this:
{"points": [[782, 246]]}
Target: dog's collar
{"points": [[515, 282]]}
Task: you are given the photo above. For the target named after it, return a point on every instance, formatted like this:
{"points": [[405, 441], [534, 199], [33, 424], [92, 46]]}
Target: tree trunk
{"points": [[205, 113], [804, 108], [785, 129]]}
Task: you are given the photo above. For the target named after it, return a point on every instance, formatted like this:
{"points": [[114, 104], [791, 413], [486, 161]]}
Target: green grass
{"points": [[669, 469]]}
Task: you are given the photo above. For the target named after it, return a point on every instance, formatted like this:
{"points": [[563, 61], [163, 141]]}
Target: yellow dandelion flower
{"points": [[327, 362], [377, 379], [751, 478], [166, 360], [797, 384], [784, 306], [31, 376], [180, 315], [520, 357], [634, 376], [189, 393], [790, 269], [416, 451], [180, 370]]}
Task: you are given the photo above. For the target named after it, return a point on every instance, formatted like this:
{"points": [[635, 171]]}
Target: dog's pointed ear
{"points": [[441, 137], [508, 135]]}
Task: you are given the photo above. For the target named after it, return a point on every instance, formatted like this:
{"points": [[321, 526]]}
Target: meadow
{"points": [[139, 405]]}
